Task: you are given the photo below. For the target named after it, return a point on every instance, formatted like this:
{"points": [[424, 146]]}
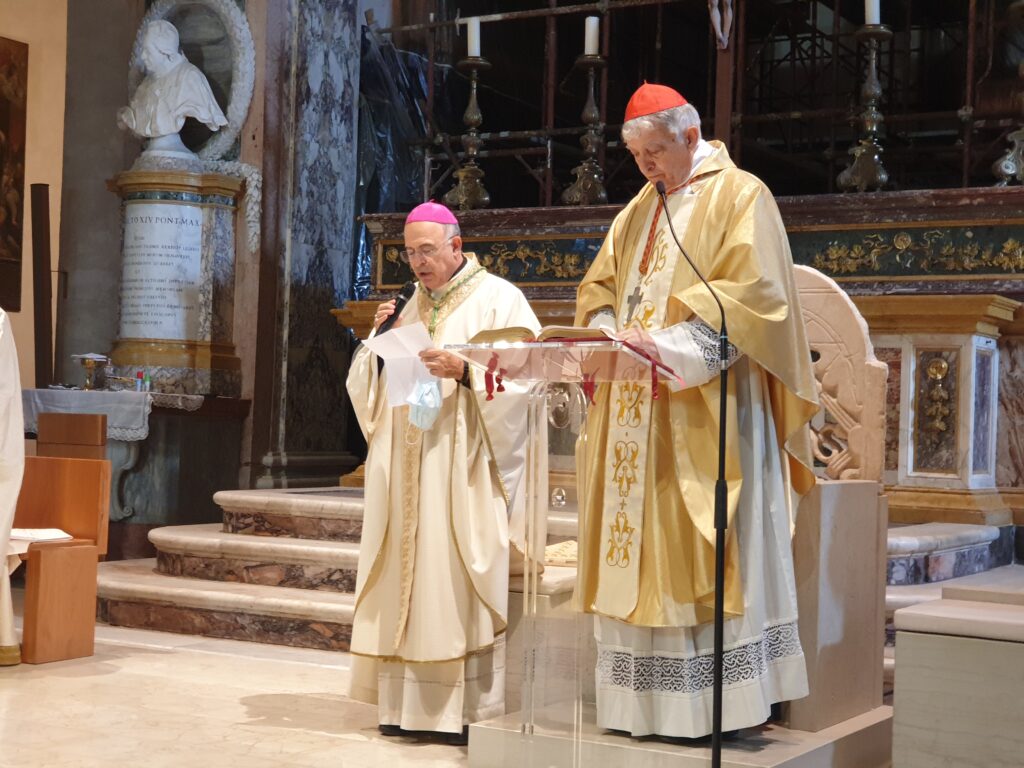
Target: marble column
{"points": [[302, 418], [1010, 434], [944, 399], [100, 38], [177, 282]]}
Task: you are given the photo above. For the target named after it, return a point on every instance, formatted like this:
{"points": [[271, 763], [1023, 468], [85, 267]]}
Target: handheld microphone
{"points": [[400, 301], [723, 334]]}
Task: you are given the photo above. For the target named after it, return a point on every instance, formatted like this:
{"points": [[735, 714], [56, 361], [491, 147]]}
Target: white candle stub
{"points": [[473, 37], [872, 12], [591, 28]]}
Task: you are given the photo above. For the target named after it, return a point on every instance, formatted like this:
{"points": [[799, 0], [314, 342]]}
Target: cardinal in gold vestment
{"points": [[649, 465]]}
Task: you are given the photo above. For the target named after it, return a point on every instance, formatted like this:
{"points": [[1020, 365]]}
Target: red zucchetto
{"points": [[650, 98]]}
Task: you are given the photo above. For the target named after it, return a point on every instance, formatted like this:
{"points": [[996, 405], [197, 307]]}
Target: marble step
{"points": [[131, 593], [206, 551], [864, 741], [1002, 584], [328, 514], [935, 552]]}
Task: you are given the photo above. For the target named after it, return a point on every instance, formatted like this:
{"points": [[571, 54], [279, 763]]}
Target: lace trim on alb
{"points": [[652, 673], [705, 338]]}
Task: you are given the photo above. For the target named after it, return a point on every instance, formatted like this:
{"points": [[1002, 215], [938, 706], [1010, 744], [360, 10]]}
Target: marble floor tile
{"points": [[156, 699]]}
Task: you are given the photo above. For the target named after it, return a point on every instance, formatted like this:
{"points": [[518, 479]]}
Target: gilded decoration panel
{"points": [[528, 261], [981, 463], [935, 411], [902, 252], [919, 250]]}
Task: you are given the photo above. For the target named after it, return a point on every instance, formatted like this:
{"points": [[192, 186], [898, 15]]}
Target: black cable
{"points": [[721, 499]]}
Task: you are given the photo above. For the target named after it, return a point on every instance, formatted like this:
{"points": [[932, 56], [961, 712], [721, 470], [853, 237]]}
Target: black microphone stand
{"points": [[721, 502]]}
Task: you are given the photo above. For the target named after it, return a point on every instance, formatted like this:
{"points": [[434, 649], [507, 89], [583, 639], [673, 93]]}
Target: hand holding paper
{"points": [[400, 348]]}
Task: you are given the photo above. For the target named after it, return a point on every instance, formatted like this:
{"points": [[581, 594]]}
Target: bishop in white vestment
{"points": [[444, 497], [12, 464], [647, 543]]}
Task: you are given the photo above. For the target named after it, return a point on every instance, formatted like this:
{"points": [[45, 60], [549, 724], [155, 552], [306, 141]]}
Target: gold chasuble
{"points": [[647, 550], [441, 507]]}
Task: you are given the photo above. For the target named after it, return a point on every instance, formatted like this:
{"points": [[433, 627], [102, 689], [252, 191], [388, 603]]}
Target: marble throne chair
{"points": [[839, 542]]}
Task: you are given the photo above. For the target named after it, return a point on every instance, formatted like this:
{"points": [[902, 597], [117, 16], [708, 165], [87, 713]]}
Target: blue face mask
{"points": [[425, 404]]}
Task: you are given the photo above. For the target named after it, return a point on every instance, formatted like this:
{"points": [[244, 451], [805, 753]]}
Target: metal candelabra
{"points": [[469, 192], [588, 189], [866, 170]]}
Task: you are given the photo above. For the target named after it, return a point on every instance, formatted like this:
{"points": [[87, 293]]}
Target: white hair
{"points": [[676, 121], [451, 230]]}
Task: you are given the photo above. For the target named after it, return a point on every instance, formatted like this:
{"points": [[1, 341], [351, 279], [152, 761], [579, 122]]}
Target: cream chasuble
{"points": [[432, 585], [12, 464], [647, 538]]}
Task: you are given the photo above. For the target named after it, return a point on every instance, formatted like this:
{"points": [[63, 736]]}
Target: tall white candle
{"points": [[872, 12], [473, 36], [590, 29]]}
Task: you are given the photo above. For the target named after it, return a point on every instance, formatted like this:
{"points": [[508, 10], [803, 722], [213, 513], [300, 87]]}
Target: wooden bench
{"points": [[60, 582], [73, 435]]}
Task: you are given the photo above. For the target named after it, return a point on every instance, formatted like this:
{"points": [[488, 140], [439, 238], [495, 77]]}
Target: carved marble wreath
{"points": [[243, 66]]}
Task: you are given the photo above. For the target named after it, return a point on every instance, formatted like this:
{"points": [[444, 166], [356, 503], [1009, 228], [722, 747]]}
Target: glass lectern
{"points": [[551, 649]]}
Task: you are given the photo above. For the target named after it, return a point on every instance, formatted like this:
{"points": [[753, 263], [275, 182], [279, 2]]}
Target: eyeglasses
{"points": [[425, 252]]}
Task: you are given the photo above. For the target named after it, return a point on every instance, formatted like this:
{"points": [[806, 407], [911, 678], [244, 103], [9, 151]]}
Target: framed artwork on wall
{"points": [[13, 92]]}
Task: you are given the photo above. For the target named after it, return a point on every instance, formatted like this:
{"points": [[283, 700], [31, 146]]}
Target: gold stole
{"points": [[643, 302], [433, 313]]}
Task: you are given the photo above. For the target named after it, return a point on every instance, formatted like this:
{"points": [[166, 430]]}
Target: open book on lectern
{"points": [[547, 333], [561, 353]]}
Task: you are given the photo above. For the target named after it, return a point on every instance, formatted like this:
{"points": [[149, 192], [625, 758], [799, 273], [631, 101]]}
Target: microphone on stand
{"points": [[400, 301], [723, 334], [721, 498]]}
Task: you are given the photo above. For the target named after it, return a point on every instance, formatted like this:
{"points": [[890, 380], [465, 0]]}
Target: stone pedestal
{"points": [[177, 281], [958, 683], [944, 386], [839, 558]]}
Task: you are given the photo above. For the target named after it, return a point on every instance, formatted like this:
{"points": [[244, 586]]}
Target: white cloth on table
{"points": [[127, 412]]}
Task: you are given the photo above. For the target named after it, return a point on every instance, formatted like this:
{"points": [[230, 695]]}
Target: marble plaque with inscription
{"points": [[162, 273]]}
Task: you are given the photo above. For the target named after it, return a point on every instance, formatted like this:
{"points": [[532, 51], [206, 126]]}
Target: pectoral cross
{"points": [[632, 304]]}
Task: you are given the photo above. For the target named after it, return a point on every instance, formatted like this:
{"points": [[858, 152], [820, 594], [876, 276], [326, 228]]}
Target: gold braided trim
{"points": [[440, 310], [375, 566], [495, 614], [492, 456], [10, 655], [412, 448], [498, 641]]}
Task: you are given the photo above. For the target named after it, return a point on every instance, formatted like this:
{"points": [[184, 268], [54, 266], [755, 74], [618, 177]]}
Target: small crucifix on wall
{"points": [[721, 21]]}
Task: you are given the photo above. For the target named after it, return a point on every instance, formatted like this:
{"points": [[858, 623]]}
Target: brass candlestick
{"points": [[588, 189], [469, 192], [866, 170]]}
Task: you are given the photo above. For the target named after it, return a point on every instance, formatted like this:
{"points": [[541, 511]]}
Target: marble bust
{"points": [[172, 90]]}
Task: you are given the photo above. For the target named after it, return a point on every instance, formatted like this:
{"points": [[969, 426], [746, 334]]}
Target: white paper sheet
{"points": [[400, 349]]}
